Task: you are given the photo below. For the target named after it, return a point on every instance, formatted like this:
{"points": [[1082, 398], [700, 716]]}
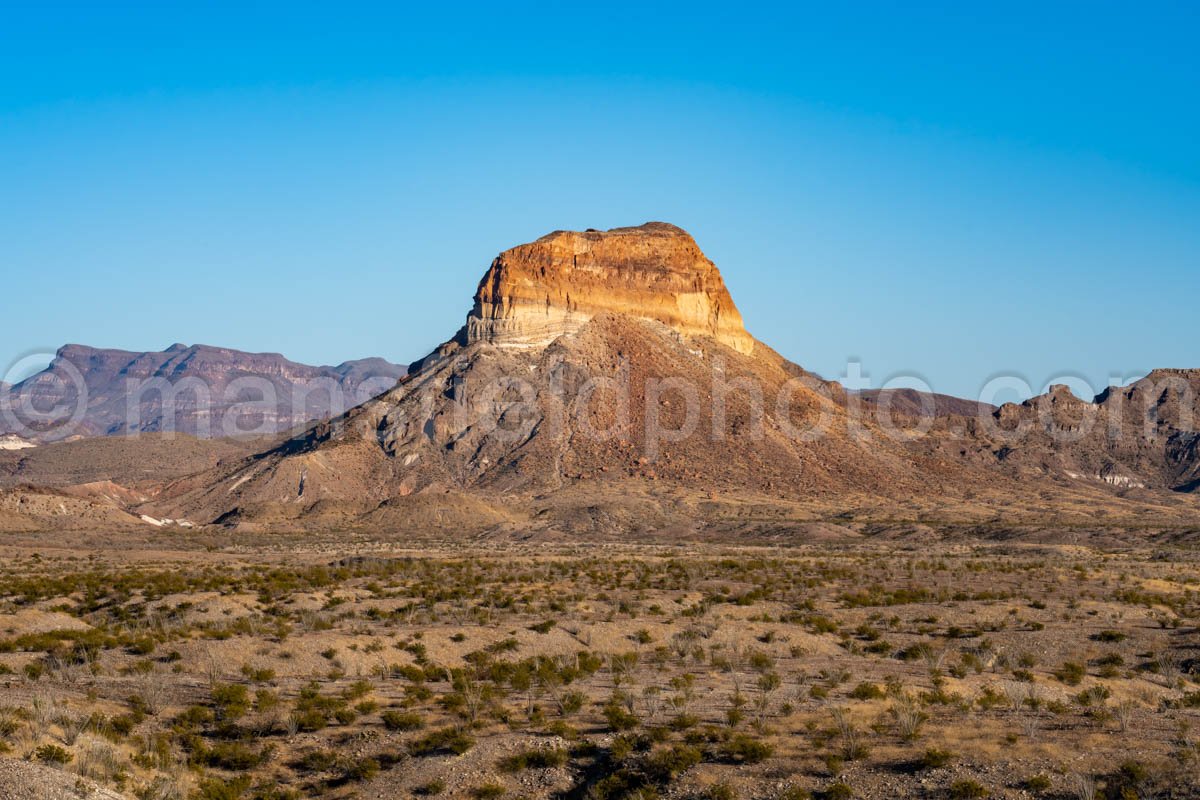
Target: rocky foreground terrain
{"points": [[215, 665]]}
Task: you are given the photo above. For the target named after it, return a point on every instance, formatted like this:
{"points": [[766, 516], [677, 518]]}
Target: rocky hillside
{"points": [[595, 359], [1141, 436], [913, 403], [131, 461], [198, 390]]}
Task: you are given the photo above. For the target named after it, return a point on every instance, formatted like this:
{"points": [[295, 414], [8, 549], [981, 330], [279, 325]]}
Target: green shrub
{"points": [[1093, 696], [123, 725], [265, 700], [316, 761], [230, 700], [443, 740], [395, 720], [409, 672], [667, 764], [536, 758], [721, 791], [1071, 673], [433, 787], [193, 717], [357, 690], [232, 756], [838, 791], [681, 722], [218, 789], [488, 791], [744, 749], [618, 717], [362, 770], [933, 758], [867, 691], [1130, 775], [52, 754], [1037, 783], [967, 790], [571, 702], [915, 652], [309, 721]]}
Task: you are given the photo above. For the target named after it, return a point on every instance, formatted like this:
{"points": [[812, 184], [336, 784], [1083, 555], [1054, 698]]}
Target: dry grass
{"points": [[620, 671]]}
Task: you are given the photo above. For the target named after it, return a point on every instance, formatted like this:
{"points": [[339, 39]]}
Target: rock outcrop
{"points": [[536, 292], [1141, 436], [24, 780]]}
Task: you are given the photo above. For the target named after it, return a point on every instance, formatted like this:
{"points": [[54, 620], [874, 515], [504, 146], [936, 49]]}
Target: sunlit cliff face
{"points": [[537, 292]]}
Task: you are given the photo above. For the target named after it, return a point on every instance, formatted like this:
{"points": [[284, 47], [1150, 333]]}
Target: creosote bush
{"points": [[768, 669], [397, 720]]}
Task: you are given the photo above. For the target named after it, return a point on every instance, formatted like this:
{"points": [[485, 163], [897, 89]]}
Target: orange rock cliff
{"points": [[535, 292]]}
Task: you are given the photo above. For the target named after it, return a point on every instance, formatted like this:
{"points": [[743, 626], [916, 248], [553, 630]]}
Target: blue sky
{"points": [[943, 190]]}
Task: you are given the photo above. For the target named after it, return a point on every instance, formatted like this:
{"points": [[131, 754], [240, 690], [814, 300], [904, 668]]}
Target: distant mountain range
{"points": [[198, 390]]}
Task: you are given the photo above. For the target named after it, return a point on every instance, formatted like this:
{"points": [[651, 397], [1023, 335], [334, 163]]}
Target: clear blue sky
{"points": [[950, 190]]}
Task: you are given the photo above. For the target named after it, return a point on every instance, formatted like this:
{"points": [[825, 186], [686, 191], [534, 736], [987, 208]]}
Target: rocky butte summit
{"points": [[603, 380], [536, 292]]}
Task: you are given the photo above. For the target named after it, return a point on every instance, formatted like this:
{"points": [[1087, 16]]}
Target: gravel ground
{"points": [[23, 780]]}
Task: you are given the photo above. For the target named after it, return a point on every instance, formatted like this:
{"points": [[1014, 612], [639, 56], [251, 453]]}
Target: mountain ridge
{"points": [[195, 389]]}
